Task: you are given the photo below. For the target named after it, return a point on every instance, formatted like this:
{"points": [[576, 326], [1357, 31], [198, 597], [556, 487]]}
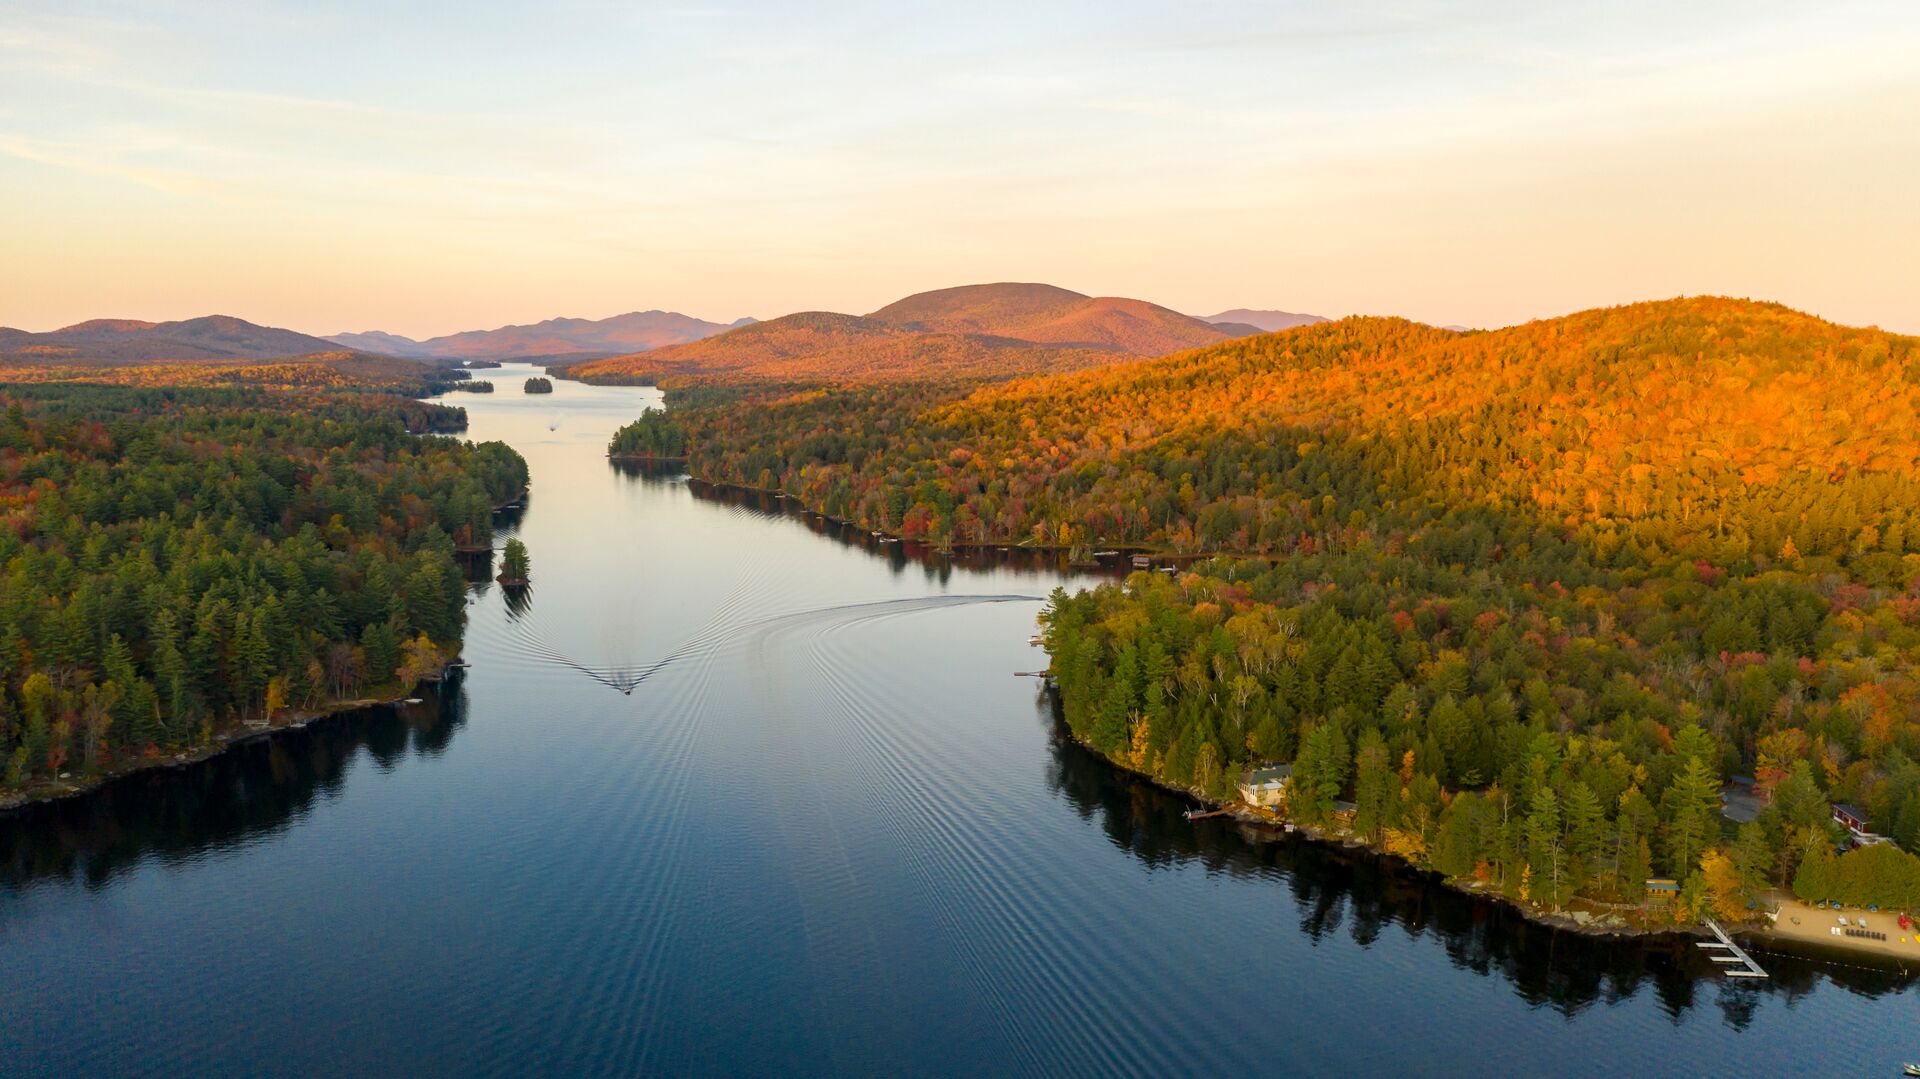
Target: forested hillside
{"points": [[333, 370], [1046, 314], [1525, 596], [175, 560], [972, 332], [114, 340]]}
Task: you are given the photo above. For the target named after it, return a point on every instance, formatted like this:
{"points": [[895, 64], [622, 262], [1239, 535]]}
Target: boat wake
{"points": [[727, 624]]}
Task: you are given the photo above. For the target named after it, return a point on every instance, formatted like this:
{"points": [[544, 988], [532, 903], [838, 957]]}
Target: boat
{"points": [[1910, 1069]]}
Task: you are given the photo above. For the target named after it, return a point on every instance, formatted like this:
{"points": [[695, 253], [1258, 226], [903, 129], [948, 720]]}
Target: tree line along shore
{"points": [[182, 566]]}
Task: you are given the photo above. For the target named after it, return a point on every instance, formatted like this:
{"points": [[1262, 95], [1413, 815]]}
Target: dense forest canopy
{"points": [[318, 371], [1525, 596], [654, 435], [175, 559]]}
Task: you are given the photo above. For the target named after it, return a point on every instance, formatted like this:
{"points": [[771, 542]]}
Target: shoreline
{"points": [[1806, 926], [1575, 919], [1160, 556], [227, 737], [1564, 920]]}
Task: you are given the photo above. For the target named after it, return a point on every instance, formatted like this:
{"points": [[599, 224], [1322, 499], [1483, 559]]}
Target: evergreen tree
{"points": [[1320, 772], [1691, 810], [1376, 789]]}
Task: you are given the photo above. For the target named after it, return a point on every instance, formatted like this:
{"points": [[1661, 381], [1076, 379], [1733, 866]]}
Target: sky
{"points": [[427, 168]]}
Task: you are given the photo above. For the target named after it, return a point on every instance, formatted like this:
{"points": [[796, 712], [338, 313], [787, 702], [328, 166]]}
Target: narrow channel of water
{"points": [[732, 790]]}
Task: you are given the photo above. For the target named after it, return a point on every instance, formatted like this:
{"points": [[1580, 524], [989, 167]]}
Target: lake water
{"points": [[730, 792]]}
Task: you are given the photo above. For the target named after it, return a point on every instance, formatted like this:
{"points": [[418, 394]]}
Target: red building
{"points": [[1851, 818]]}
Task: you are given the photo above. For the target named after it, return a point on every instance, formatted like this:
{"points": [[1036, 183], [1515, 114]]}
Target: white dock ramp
{"points": [[1727, 952]]}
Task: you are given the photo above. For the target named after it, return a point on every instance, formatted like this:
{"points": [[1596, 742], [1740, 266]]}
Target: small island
{"points": [[515, 567], [472, 387], [537, 384]]}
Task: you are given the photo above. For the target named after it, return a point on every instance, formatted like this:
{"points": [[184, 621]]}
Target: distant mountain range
{"points": [[971, 331], [121, 341], [1264, 321], [636, 331]]}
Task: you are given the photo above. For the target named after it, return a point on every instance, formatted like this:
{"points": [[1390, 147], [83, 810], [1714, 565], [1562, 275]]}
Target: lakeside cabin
{"points": [[1855, 822], [1266, 786], [1662, 888], [1849, 818]]}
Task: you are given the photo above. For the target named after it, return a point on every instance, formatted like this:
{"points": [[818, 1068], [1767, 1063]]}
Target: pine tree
{"points": [[1375, 788], [1585, 821], [1691, 809], [1320, 772], [1545, 851]]}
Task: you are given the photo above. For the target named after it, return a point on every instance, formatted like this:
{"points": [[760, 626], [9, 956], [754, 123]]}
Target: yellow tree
{"points": [[419, 658], [1726, 893]]}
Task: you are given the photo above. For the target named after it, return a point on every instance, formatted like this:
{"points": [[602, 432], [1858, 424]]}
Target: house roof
{"points": [[1842, 807], [1261, 776]]}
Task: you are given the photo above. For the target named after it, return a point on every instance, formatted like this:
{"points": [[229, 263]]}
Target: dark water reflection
{"points": [[250, 792], [731, 788], [1360, 895]]}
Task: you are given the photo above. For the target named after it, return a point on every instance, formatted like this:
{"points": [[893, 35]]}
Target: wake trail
{"points": [[723, 625]]}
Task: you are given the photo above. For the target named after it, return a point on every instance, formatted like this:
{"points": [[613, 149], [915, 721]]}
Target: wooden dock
{"points": [[1726, 952], [1196, 814]]}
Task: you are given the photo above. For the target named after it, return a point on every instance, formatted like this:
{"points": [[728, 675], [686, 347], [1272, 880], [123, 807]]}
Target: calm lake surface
{"points": [[827, 831]]}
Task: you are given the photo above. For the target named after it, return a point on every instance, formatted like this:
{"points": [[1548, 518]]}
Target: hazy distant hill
{"points": [[1049, 315], [390, 344], [116, 341], [972, 331], [633, 332], [827, 345], [1266, 321]]}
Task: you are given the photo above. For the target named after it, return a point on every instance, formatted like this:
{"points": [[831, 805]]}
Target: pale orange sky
{"points": [[346, 167]]}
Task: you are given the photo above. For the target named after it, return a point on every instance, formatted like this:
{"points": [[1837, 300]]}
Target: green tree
{"points": [[1376, 789], [1691, 810], [1320, 772], [515, 568]]}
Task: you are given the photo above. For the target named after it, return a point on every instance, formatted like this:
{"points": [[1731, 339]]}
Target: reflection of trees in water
{"points": [[1363, 894], [519, 601], [652, 473], [477, 566], [251, 791]]}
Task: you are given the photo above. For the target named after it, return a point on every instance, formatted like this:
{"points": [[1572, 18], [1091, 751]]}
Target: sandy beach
{"points": [[1815, 925]]}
